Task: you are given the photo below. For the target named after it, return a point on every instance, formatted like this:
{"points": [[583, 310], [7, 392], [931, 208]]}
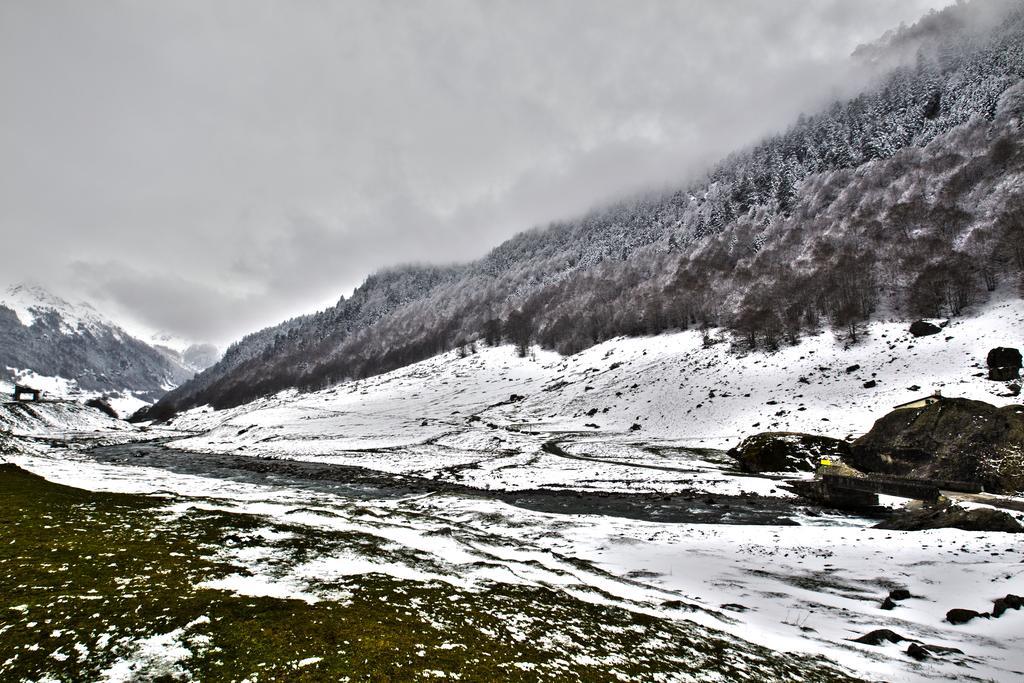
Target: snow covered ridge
{"points": [[670, 388]]}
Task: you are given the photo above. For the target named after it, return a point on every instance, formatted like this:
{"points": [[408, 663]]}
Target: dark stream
{"points": [[363, 483]]}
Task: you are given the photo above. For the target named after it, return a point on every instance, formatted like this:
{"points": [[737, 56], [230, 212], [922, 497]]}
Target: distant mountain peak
{"points": [[30, 300]]}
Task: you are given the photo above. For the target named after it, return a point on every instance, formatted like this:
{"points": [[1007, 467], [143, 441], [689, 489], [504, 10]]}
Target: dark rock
{"points": [[1004, 364], [634, 427], [1004, 357], [879, 636], [953, 439], [852, 368], [1011, 601], [952, 517], [870, 384], [962, 616], [1003, 374], [899, 594], [888, 604], [918, 652], [923, 328], [786, 452], [734, 607], [102, 406]]}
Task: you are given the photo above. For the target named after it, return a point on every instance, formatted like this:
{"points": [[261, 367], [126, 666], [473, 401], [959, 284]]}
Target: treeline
{"points": [[926, 233]]}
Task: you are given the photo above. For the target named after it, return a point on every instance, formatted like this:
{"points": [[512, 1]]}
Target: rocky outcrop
{"points": [[786, 452], [952, 517], [953, 439]]}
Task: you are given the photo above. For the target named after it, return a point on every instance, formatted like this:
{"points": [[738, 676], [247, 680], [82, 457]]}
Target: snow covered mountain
{"points": [[72, 350], [195, 357], [904, 199]]}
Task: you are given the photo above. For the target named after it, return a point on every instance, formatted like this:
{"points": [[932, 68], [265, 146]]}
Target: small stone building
{"points": [[24, 393]]}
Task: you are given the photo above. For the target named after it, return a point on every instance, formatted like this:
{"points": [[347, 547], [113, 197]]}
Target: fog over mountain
{"points": [[904, 198], [205, 169]]}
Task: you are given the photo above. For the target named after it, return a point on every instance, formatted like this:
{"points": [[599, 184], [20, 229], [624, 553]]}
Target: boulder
{"points": [[962, 616], [879, 636], [1000, 605], [918, 652], [953, 439], [1004, 364], [923, 328], [1004, 357], [786, 452], [1003, 374], [952, 517]]}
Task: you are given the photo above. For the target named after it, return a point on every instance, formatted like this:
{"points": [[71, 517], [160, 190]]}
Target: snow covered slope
{"points": [[805, 581], [669, 389], [71, 351], [53, 418]]}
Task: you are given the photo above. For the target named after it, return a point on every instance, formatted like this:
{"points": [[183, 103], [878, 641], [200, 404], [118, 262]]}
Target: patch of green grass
{"points": [[86, 578]]}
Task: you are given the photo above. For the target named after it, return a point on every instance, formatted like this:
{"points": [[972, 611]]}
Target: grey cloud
{"points": [[210, 167]]}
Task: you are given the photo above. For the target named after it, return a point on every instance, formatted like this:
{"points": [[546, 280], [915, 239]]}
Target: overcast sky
{"points": [[208, 168]]}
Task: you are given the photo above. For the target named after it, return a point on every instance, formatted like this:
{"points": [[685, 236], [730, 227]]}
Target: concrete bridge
{"points": [[890, 486], [836, 490]]}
